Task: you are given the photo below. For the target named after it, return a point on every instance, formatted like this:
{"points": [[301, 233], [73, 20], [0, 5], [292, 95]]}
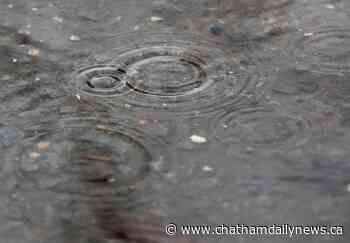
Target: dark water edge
{"points": [[119, 117]]}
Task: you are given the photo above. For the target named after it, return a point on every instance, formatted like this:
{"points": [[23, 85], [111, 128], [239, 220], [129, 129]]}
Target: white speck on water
{"points": [[119, 18], [14, 60], [127, 106], [78, 96], [111, 180], [225, 126], [198, 139], [136, 27], [330, 6], [74, 38], [35, 9], [156, 19], [37, 79], [58, 19], [10, 6], [308, 34], [348, 188], [207, 168], [34, 155], [34, 52]]}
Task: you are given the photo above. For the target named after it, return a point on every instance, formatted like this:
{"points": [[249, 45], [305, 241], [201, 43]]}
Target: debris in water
{"points": [[34, 155], [330, 6], [156, 19], [35, 9], [216, 29], [43, 146], [348, 188], [119, 18], [14, 60], [34, 52], [74, 38], [136, 28], [78, 96], [198, 139], [10, 6], [308, 34], [207, 168], [58, 19]]}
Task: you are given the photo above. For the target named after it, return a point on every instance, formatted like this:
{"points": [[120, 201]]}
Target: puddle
{"points": [[119, 117]]}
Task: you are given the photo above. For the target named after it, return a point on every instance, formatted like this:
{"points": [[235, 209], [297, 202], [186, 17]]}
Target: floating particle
{"points": [[156, 19], [58, 19], [35, 9], [216, 29], [43, 146], [34, 155], [348, 188], [198, 139], [78, 96], [136, 28], [119, 18], [74, 38], [308, 34], [10, 6], [207, 168], [34, 52], [14, 60], [330, 6]]}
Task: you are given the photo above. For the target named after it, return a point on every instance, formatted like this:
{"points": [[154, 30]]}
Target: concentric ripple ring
{"points": [[167, 72], [258, 127], [326, 51]]}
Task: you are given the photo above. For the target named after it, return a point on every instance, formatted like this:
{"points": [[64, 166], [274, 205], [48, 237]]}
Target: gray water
{"points": [[121, 116]]}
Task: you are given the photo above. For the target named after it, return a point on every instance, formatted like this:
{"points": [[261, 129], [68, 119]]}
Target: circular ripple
{"points": [[100, 80], [89, 150], [257, 127], [169, 72], [326, 51], [295, 82]]}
